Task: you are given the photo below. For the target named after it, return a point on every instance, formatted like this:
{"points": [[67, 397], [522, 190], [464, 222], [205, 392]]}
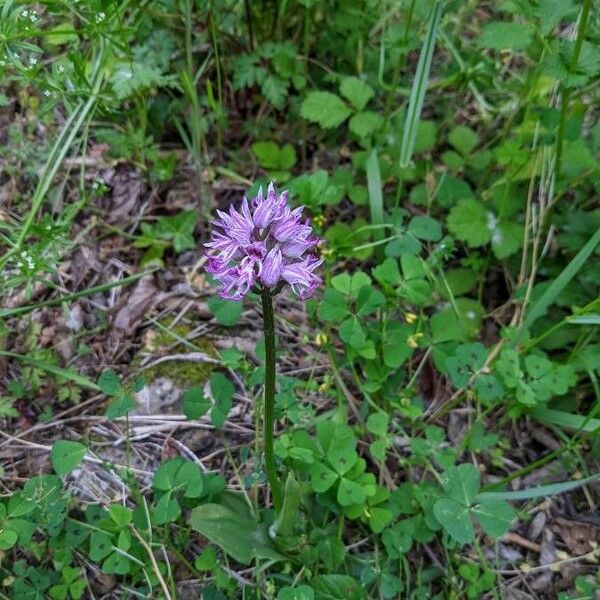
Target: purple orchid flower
{"points": [[264, 244]]}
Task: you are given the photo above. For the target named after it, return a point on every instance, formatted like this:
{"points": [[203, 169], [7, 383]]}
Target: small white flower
{"points": [[61, 69], [100, 16], [47, 93], [32, 60]]}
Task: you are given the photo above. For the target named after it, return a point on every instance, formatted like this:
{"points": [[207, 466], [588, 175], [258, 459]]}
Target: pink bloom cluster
{"points": [[265, 243]]}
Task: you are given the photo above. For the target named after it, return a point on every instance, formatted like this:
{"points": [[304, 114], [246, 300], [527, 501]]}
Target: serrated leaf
{"points": [[501, 35], [365, 123], [553, 11], [463, 139], [324, 108], [468, 222], [357, 91]]}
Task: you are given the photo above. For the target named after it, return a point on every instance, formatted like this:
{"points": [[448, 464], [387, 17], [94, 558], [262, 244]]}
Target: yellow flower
{"points": [[319, 220], [413, 340], [410, 317], [321, 339]]}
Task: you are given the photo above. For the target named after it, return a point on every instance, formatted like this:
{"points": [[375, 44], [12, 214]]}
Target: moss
{"points": [[183, 372]]}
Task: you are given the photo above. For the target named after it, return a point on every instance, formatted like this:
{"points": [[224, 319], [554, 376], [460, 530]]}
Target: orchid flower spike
{"points": [[265, 244]]}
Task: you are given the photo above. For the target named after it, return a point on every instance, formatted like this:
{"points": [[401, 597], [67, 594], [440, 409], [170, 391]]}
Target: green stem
{"points": [[585, 12], [269, 409]]}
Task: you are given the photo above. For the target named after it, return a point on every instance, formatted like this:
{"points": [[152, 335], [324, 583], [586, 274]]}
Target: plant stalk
{"points": [[269, 408], [566, 96]]}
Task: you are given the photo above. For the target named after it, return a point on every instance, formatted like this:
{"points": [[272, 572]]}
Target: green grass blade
{"points": [[541, 491], [375, 194], [20, 310], [419, 87], [80, 380], [585, 320], [565, 420], [57, 154], [557, 286]]}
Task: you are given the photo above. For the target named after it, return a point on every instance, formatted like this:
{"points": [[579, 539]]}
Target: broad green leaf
{"points": [[350, 492], [287, 518], [222, 391], [100, 545], [488, 387], [337, 587], [66, 456], [425, 228], [166, 510], [387, 272], [350, 285], [8, 538], [369, 300], [120, 406], [321, 477], [234, 531], [227, 312], [379, 518], [272, 157], [301, 592], [207, 560], [494, 517], [455, 519], [352, 332], [164, 477], [324, 108], [333, 307], [109, 382], [461, 483], [377, 423], [195, 403]]}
